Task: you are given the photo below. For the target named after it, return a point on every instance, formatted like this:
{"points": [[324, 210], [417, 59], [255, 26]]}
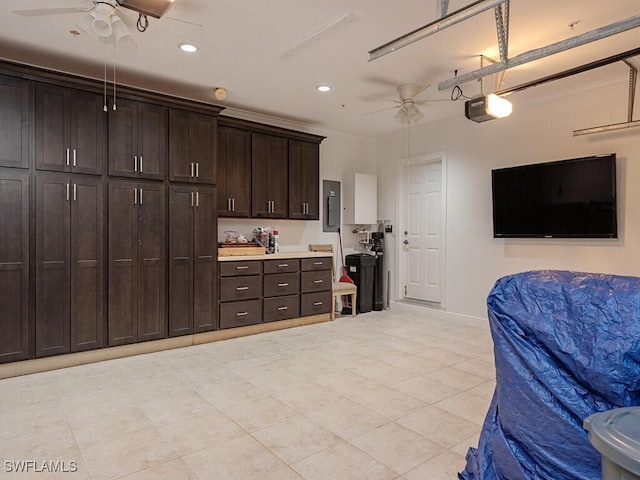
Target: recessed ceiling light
{"points": [[187, 47], [323, 88]]}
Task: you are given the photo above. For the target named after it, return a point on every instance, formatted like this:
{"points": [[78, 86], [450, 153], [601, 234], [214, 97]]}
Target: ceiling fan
{"points": [[408, 111], [103, 21]]}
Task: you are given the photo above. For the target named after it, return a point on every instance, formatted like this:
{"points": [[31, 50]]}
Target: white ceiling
{"points": [[243, 44]]}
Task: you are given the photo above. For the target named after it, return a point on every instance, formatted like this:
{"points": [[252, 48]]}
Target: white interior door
{"points": [[422, 237]]}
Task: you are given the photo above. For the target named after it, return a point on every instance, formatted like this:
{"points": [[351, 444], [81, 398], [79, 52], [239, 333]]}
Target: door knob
{"points": [[406, 242]]}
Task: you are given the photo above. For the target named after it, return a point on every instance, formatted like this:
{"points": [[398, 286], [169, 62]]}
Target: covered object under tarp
{"points": [[566, 345]]}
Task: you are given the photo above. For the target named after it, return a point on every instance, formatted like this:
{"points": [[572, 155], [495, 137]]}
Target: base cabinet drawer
{"points": [[310, 264], [315, 303], [289, 265], [281, 308], [240, 288], [240, 314], [315, 281], [232, 269], [281, 284]]}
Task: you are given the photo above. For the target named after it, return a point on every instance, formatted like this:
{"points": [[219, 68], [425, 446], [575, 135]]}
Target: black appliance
{"points": [[378, 285], [573, 198], [361, 269]]}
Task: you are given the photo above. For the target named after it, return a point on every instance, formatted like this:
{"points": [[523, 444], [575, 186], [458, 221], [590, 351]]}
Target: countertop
{"points": [[274, 256]]}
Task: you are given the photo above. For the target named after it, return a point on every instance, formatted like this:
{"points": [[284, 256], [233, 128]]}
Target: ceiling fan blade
{"points": [[36, 12], [183, 21], [378, 111]]}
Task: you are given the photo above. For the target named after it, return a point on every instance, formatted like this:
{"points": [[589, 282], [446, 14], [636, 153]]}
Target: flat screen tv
{"points": [[573, 198]]}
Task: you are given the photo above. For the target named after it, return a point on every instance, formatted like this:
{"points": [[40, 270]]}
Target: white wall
{"points": [[536, 132]]}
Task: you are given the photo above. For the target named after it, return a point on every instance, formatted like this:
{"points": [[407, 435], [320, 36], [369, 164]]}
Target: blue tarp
{"points": [[566, 345]]}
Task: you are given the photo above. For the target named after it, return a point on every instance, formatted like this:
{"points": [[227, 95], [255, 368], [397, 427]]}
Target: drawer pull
{"points": [[317, 281], [283, 284], [242, 314], [282, 308], [242, 288], [243, 267], [283, 265], [317, 304], [318, 263]]}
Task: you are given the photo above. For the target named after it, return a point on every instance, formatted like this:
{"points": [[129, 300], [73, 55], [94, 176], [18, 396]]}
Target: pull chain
{"points": [[105, 78], [114, 72]]}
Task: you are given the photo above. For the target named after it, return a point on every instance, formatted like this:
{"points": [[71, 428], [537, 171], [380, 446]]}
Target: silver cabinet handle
{"points": [[242, 314], [318, 263], [140, 196], [192, 169], [283, 265], [229, 205], [67, 192], [135, 196], [140, 166], [283, 284], [192, 196], [317, 304], [233, 204], [239, 289], [282, 308], [197, 173], [74, 192], [197, 199], [317, 281], [74, 157], [242, 267], [135, 163], [67, 157]]}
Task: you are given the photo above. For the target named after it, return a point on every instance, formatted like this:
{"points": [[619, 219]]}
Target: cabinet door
{"points": [[123, 260], [181, 206], [152, 141], [304, 180], [14, 118], [14, 266], [205, 236], [234, 165], [52, 264], [152, 312], [123, 139], [88, 133], [204, 132], [269, 176], [181, 165], [53, 113], [87, 263]]}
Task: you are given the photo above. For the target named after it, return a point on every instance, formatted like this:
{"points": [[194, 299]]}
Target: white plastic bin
{"points": [[616, 435]]}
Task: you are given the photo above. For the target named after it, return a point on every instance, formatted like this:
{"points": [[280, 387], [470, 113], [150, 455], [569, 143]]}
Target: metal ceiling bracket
{"points": [[502, 28], [443, 7], [446, 21], [542, 52], [633, 79]]}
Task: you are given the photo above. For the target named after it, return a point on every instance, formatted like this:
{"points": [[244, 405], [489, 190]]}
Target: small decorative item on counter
{"points": [[242, 239], [231, 236], [276, 241], [264, 237]]}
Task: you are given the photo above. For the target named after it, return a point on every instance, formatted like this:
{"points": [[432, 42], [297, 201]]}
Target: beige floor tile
{"points": [[444, 466], [127, 454], [397, 447], [296, 438], [29, 417], [344, 462], [384, 374], [466, 405], [282, 474], [440, 426], [425, 389], [44, 444], [171, 408], [347, 418], [175, 469], [306, 397], [260, 413], [389, 402], [108, 426], [208, 428], [242, 458], [455, 378], [85, 405]]}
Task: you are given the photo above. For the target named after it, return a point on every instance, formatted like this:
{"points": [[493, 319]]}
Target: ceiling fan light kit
{"points": [[101, 23]]}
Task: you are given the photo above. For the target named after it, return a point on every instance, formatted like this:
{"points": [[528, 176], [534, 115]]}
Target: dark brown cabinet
{"points": [[234, 167], [269, 176], [192, 147], [240, 293], [138, 140], [69, 264], [14, 265], [193, 260], [137, 262], [304, 180], [14, 119], [70, 130]]}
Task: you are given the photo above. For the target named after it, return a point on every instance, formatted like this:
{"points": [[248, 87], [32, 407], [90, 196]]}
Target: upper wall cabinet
{"points": [[14, 119], [138, 140], [192, 147], [71, 134], [304, 180], [234, 163], [269, 176]]}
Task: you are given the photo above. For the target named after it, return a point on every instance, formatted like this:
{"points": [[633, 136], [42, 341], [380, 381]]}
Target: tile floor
{"points": [[399, 394]]}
